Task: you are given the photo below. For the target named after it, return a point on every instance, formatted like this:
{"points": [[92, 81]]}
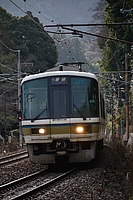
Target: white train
{"points": [[63, 116]]}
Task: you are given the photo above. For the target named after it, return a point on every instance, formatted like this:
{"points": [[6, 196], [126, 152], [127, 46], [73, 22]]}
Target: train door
{"points": [[59, 111]]}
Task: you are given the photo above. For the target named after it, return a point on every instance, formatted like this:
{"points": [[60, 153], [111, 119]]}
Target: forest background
{"points": [[40, 51]]}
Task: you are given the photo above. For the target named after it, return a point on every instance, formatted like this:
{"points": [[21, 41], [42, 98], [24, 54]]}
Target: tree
{"points": [[35, 46], [114, 51], [113, 56]]}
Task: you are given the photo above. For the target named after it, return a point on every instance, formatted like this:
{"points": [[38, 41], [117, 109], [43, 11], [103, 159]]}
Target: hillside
{"points": [[70, 48], [62, 11]]}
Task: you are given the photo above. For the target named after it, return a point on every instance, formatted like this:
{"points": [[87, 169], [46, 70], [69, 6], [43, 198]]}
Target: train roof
{"points": [[61, 70]]}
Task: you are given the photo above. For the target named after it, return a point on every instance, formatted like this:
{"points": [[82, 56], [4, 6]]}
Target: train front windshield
{"points": [[60, 97]]}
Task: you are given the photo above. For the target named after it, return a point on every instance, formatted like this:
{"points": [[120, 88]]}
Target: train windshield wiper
{"points": [[30, 96], [81, 114], [32, 120]]}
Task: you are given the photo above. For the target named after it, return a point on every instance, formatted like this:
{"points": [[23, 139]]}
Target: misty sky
{"points": [[55, 11]]}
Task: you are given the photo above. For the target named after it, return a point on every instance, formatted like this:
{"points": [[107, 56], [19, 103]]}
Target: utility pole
{"points": [[119, 109], [5, 125], [19, 90], [127, 97], [126, 83], [112, 111], [19, 105]]}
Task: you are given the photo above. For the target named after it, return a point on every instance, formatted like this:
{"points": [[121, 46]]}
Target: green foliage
{"points": [[101, 41], [10, 120], [36, 47], [113, 56], [32, 40], [113, 52], [35, 44]]}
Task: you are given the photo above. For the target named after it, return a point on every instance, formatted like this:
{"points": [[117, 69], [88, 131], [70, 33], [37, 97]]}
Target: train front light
{"points": [[79, 129], [42, 131]]}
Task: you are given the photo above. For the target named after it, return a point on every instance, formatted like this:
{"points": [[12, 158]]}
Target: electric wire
{"points": [[12, 50], [15, 51], [32, 18], [8, 80], [8, 67], [75, 31], [66, 51], [29, 70], [8, 47], [27, 15], [40, 12]]}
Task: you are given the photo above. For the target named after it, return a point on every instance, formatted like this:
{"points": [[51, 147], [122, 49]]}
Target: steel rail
{"points": [[43, 186]]}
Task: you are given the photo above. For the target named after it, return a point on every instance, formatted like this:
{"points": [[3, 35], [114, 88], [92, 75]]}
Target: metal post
{"points": [[19, 105], [5, 125], [127, 97], [112, 107], [119, 110]]}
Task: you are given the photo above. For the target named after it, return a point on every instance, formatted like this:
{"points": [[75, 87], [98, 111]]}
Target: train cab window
{"points": [[84, 97], [59, 110], [35, 99], [59, 97]]}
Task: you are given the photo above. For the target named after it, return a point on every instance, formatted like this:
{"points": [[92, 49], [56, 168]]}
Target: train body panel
{"points": [[82, 155], [63, 117]]}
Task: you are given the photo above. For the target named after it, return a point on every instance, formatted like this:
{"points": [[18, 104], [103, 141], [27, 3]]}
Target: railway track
{"points": [[101, 179], [13, 158], [30, 185]]}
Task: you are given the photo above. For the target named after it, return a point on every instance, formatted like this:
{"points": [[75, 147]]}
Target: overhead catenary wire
{"points": [[65, 40], [26, 14], [13, 70], [40, 12], [87, 24], [15, 51], [75, 31], [7, 80], [79, 32], [12, 50]]}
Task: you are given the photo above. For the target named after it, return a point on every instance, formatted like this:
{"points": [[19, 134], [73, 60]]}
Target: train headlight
{"points": [[79, 129], [42, 131]]}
